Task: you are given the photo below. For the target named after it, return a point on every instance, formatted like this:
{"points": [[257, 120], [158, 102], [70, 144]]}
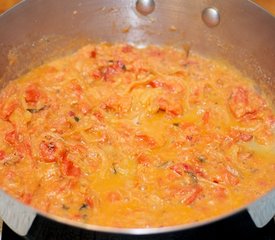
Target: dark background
{"points": [[239, 226]]}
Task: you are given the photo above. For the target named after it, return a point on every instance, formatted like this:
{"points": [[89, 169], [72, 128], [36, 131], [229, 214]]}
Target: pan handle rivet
{"points": [[211, 17], [145, 7]]}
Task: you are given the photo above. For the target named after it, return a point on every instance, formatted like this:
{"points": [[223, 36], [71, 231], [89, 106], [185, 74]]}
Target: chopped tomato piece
{"points": [[158, 53], [12, 137], [177, 169], [107, 72], [99, 116], [32, 94], [84, 107], [226, 177], [243, 103], [24, 148], [205, 117], [8, 110], [93, 54], [240, 135], [171, 107], [143, 159], [172, 86], [231, 178], [219, 192], [119, 65], [26, 198], [2, 155], [246, 137], [181, 168], [49, 151], [187, 125], [79, 148], [193, 195], [77, 89], [127, 48], [194, 97], [69, 169], [71, 113], [156, 84], [187, 194], [96, 74], [116, 103], [147, 140], [90, 202]]}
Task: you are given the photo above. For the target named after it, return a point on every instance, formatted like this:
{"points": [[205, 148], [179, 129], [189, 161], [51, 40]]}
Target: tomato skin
{"points": [[32, 94]]}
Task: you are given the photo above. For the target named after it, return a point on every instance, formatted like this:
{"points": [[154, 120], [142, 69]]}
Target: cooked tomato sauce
{"points": [[119, 136]]}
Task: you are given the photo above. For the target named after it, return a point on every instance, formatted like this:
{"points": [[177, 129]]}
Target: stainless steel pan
{"points": [[236, 30]]}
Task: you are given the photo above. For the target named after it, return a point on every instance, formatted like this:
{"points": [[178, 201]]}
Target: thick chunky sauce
{"points": [[119, 136]]}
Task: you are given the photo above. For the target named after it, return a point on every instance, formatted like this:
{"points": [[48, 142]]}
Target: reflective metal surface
{"points": [[39, 30], [211, 17], [145, 7]]}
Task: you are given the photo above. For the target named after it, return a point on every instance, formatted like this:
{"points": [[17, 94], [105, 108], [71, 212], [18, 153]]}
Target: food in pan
{"points": [[114, 135], [6, 4]]}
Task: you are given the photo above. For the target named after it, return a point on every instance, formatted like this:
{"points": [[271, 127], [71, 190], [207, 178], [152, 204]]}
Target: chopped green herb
{"points": [[114, 168], [202, 158], [123, 67], [83, 206], [33, 110], [77, 119], [163, 164], [193, 177], [65, 207]]}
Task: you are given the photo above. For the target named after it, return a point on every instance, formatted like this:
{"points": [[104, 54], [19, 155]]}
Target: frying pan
{"points": [[238, 31]]}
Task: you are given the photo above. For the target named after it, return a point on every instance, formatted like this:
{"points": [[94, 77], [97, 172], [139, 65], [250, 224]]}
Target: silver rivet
{"points": [[211, 17], [145, 7]]}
